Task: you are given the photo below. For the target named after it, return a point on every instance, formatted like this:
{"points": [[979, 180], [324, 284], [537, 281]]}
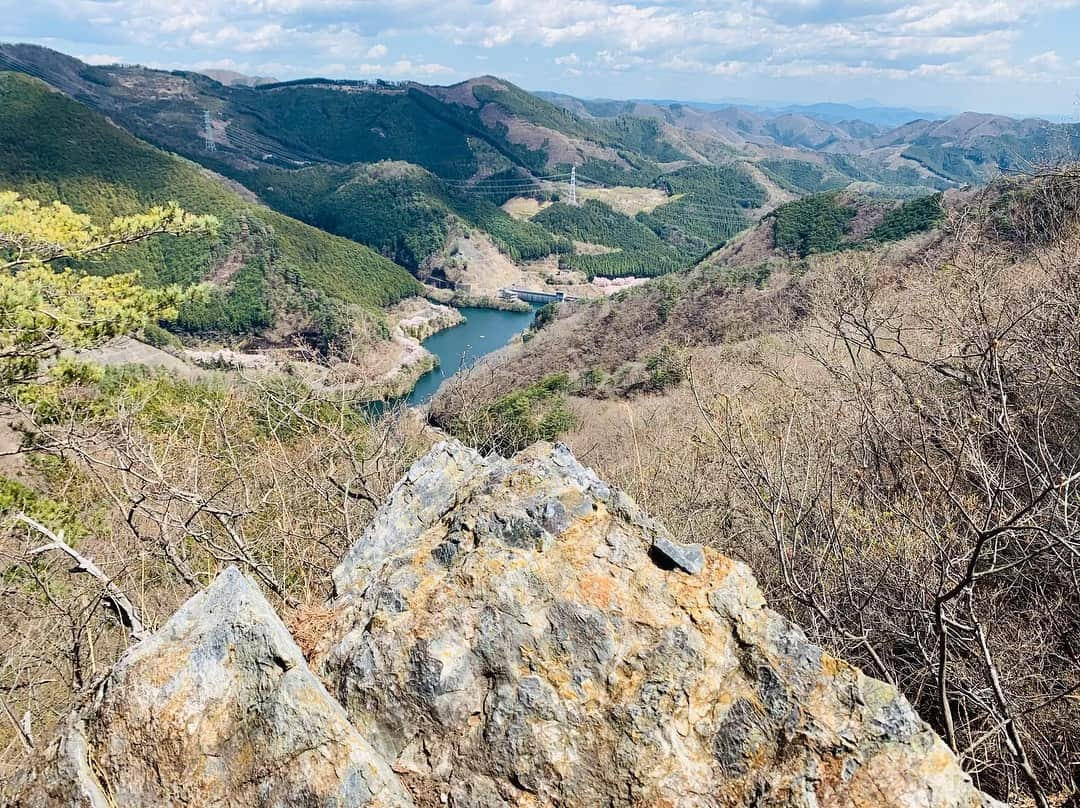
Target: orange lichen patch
{"points": [[597, 590], [831, 666], [829, 780], [887, 778], [164, 670], [696, 588], [585, 530], [554, 670], [712, 693], [625, 683]]}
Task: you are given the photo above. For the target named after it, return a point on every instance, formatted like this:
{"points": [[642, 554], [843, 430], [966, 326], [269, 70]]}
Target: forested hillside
{"points": [[262, 262], [402, 167], [823, 223], [708, 205], [482, 125], [399, 209], [879, 429]]}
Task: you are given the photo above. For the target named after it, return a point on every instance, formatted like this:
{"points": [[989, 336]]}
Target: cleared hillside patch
{"points": [[628, 200]]}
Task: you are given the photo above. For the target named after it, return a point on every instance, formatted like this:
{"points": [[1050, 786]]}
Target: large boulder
{"points": [[508, 633], [217, 708], [515, 632]]}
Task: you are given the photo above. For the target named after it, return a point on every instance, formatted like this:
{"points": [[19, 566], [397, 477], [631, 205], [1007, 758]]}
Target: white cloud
{"points": [[887, 39], [1048, 60]]}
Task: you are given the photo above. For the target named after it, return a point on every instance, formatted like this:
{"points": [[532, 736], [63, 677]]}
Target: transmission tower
{"points": [[208, 132], [573, 186]]}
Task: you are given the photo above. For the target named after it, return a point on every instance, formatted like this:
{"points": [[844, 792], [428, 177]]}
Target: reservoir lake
{"points": [[484, 331]]}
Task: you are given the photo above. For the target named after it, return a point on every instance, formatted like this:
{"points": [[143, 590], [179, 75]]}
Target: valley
{"points": [[480, 406]]}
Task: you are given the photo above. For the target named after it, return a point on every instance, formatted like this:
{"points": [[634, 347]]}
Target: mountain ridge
{"points": [[276, 263]]}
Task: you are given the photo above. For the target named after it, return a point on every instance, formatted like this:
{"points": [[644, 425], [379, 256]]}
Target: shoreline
{"points": [[452, 297]]}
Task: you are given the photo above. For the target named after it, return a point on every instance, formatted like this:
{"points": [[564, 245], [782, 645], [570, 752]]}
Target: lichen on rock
{"points": [[513, 637], [509, 632], [217, 708]]}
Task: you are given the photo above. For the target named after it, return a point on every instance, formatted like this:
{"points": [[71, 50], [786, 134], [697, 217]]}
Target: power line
{"points": [[504, 182], [496, 187], [245, 139], [20, 66], [497, 178], [583, 178]]}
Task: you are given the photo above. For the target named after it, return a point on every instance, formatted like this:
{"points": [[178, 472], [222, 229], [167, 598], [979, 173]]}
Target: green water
{"points": [[484, 331]]}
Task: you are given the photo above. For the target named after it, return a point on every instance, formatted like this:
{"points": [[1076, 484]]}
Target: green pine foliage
{"points": [[52, 147], [643, 135], [363, 126], [709, 207], [802, 177], [599, 223], [640, 251], [914, 216], [624, 133], [17, 498], [904, 178], [813, 224], [634, 170], [520, 418], [821, 223]]}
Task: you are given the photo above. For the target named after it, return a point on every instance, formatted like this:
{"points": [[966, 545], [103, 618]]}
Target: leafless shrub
{"points": [[920, 499], [169, 488]]}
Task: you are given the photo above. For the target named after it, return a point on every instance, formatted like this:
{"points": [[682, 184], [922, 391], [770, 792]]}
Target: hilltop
{"points": [[505, 632], [440, 162]]}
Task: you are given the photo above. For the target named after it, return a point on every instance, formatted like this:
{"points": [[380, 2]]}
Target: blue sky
{"points": [[992, 55]]}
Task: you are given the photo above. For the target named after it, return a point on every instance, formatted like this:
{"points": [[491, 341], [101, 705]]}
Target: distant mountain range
{"points": [[967, 148], [233, 79], [876, 114], [407, 168]]}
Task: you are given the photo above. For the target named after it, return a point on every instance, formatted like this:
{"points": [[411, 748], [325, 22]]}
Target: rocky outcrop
{"points": [[217, 708], [508, 633], [515, 632]]}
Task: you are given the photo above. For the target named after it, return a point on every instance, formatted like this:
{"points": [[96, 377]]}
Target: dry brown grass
{"points": [[891, 444], [166, 487], [310, 624]]}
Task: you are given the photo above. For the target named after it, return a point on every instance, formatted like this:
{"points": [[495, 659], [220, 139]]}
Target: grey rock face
{"points": [[687, 557], [510, 633], [517, 633], [217, 708]]}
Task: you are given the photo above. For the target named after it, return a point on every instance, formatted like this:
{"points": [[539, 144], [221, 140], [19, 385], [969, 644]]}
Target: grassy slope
{"points": [[54, 148]]}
